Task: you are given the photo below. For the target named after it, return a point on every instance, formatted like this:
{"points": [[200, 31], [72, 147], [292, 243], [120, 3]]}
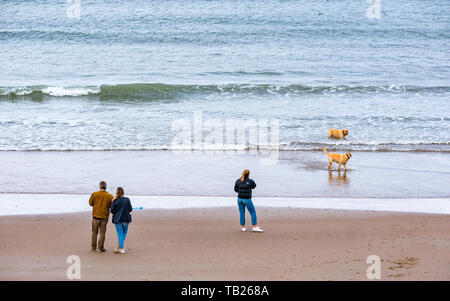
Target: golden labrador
{"points": [[341, 159], [335, 133]]}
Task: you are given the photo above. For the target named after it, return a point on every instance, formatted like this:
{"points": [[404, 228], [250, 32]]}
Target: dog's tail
{"points": [[325, 151]]}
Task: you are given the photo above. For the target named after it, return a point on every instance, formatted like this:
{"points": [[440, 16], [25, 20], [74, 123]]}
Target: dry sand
{"points": [[206, 244]]}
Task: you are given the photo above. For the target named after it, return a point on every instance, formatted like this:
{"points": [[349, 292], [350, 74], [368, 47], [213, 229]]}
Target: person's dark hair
{"points": [[119, 193], [102, 185], [245, 175]]}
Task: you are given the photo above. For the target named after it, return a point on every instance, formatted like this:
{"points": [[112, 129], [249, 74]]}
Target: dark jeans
{"points": [[242, 203], [122, 230], [98, 225]]}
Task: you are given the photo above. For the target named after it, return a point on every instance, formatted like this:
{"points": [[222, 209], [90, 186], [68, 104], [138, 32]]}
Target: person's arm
{"points": [[113, 207], [130, 208], [252, 184], [236, 186], [91, 200], [110, 202]]}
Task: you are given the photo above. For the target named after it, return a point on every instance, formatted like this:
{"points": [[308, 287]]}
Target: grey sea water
{"points": [[117, 77]]}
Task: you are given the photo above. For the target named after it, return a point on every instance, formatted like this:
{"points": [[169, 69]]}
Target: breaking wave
{"points": [[159, 91]]}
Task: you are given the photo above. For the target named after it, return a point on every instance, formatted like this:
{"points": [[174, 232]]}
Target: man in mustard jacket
{"points": [[100, 202]]}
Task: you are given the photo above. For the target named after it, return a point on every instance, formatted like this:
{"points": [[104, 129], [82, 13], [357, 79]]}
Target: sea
{"points": [[117, 77]]}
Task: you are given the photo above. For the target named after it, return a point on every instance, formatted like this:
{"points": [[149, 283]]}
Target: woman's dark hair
{"points": [[119, 193]]}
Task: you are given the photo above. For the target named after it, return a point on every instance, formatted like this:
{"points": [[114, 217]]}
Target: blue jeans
{"points": [[242, 203], [122, 230]]}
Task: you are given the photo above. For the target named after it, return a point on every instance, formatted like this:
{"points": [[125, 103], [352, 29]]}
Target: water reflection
{"points": [[339, 179]]}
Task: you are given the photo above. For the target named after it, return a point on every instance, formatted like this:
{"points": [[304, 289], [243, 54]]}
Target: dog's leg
{"points": [[345, 166], [331, 163], [339, 167]]}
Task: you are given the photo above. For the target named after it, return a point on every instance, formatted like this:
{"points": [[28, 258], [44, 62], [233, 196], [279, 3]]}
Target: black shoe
{"points": [[101, 250]]}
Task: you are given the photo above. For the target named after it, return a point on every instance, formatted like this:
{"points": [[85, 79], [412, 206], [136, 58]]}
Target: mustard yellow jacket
{"points": [[101, 202]]}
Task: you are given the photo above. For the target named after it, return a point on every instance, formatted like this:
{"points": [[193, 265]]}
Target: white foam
{"points": [[63, 91], [24, 204], [21, 91]]}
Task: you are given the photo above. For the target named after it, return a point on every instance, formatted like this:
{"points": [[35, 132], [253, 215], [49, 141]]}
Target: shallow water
{"points": [[295, 174]]}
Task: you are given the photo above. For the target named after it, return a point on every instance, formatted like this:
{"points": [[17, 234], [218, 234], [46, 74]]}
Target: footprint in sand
{"points": [[405, 263]]}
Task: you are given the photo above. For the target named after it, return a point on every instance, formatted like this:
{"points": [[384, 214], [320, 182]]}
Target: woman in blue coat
{"points": [[244, 186], [120, 209]]}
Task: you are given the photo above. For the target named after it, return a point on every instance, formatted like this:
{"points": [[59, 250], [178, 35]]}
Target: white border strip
{"points": [[24, 204]]}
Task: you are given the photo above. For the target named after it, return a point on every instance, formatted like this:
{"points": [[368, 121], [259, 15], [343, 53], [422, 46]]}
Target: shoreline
{"points": [[295, 174], [223, 151], [206, 244], [32, 204]]}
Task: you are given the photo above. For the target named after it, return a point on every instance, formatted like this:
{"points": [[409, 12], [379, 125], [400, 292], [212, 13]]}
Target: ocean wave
{"points": [[160, 91], [223, 37], [55, 91], [381, 146], [403, 146]]}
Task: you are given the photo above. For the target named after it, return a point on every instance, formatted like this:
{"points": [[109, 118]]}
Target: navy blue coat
{"points": [[121, 209], [244, 189]]}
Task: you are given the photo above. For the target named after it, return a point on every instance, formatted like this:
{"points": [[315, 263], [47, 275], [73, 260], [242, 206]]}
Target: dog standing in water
{"points": [[341, 159], [335, 133]]}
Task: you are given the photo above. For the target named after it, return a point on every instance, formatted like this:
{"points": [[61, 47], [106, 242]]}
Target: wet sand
{"points": [[294, 174], [206, 244]]}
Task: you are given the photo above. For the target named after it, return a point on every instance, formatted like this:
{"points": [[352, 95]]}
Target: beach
{"points": [[172, 101], [206, 244], [319, 224]]}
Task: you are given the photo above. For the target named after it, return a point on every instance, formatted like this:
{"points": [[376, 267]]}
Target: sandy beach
{"points": [[319, 224], [170, 103], [206, 244]]}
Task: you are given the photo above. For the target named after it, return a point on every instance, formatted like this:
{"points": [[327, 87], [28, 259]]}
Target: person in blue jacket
{"points": [[120, 209], [243, 186]]}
